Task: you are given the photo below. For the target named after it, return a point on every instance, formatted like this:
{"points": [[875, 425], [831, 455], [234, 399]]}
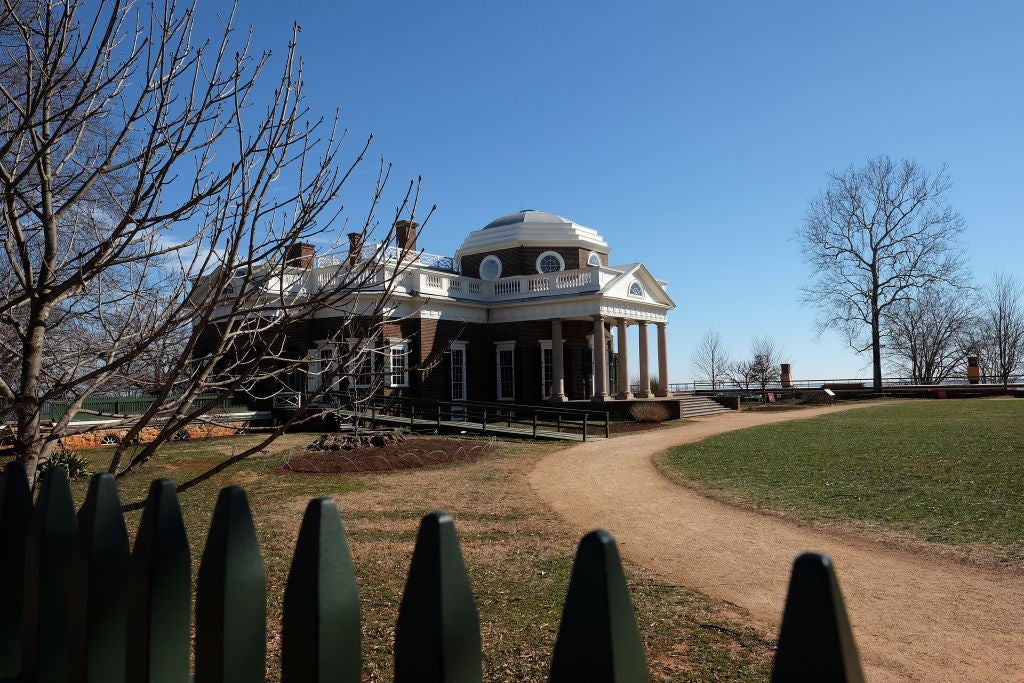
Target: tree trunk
{"points": [[876, 352]]}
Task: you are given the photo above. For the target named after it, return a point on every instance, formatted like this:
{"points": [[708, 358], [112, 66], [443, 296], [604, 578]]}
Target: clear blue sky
{"points": [[690, 135]]}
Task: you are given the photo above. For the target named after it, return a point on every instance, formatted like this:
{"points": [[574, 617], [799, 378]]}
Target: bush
{"points": [[69, 459], [644, 411]]}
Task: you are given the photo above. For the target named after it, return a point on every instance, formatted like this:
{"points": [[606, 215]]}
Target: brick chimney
{"points": [[299, 254], [355, 248], [405, 235], [973, 370]]}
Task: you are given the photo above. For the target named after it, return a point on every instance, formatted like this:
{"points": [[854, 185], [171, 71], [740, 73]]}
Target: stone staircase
{"points": [[699, 406]]}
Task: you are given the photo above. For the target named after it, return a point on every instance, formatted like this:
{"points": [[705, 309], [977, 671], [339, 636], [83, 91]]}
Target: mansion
{"points": [[528, 310]]}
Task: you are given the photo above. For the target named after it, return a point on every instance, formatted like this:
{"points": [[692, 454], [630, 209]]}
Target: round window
{"points": [[636, 289], [490, 268], [550, 262]]}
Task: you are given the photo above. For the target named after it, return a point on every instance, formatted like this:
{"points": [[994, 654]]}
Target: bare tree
{"points": [[154, 203], [762, 369], [928, 338], [711, 358], [1000, 339], [875, 237]]}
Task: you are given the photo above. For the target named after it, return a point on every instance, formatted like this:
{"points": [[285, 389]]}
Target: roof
{"points": [[531, 228], [526, 216]]}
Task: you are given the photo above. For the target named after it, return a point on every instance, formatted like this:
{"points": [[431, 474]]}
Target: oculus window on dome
{"points": [[550, 262], [490, 268], [636, 289]]}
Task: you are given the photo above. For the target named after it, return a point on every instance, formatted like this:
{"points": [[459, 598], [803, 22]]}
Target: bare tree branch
{"points": [[874, 238]]}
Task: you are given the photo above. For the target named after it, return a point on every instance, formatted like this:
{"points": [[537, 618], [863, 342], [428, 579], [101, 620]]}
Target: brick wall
{"points": [[523, 260]]}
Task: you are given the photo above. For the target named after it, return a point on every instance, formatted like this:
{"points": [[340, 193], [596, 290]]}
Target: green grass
{"points": [[518, 553], [944, 471]]}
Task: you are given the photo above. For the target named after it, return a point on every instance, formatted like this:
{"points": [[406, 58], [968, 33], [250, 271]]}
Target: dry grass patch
{"points": [[519, 556]]}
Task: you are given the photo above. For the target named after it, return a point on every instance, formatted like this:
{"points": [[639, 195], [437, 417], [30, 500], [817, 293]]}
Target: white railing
{"points": [[390, 253], [434, 283]]}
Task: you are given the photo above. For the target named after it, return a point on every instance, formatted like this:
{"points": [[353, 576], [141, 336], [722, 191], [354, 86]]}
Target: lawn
{"points": [[519, 556], [945, 471]]}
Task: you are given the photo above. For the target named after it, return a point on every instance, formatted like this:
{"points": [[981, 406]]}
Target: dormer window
{"points": [[490, 268], [594, 260], [550, 262]]}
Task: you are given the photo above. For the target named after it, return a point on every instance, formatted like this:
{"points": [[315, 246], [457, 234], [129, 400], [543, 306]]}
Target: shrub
{"points": [[650, 411], [69, 459]]}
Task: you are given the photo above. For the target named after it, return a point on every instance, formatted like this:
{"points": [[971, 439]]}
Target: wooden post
{"points": [[584, 426], [535, 424]]}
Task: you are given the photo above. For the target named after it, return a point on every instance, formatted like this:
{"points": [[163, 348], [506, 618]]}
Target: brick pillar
{"points": [[623, 350], [557, 363], [662, 361], [600, 364], [645, 371]]}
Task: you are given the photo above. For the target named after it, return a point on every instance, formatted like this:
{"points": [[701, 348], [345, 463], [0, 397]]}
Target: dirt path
{"points": [[915, 617]]}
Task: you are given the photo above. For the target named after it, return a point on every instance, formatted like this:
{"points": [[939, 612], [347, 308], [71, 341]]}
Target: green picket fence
{"points": [[79, 605]]}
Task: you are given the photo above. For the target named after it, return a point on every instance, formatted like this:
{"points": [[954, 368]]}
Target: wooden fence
{"points": [[78, 605]]}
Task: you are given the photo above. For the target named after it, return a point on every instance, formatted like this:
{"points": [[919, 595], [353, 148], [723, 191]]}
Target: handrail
{"points": [[532, 418]]}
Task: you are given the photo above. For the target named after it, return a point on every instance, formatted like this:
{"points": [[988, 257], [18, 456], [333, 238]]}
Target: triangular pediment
{"points": [[638, 285]]}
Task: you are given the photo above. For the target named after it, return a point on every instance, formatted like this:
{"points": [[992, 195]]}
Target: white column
{"points": [[557, 363], [645, 372], [600, 364], [623, 351], [662, 360]]}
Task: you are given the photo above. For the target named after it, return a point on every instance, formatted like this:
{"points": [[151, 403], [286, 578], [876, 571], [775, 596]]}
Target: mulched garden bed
{"points": [[414, 451]]}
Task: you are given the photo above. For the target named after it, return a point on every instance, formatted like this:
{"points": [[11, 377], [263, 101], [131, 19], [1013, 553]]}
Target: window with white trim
{"points": [[506, 366], [398, 363], [550, 262], [324, 367], [360, 362], [636, 289], [594, 259], [490, 268], [458, 371], [546, 368]]}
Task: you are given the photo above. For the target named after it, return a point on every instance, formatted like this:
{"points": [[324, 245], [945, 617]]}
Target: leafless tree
{"points": [[876, 236], [154, 198], [711, 358], [928, 338], [1000, 338], [762, 369]]}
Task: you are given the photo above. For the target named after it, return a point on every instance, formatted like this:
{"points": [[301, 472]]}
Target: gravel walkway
{"points": [[915, 616]]}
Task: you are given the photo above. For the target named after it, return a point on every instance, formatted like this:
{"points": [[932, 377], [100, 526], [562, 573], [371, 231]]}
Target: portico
{"points": [[601, 390]]}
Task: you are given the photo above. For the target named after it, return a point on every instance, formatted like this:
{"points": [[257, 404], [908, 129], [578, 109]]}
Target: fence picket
{"points": [[72, 622], [437, 638], [48, 546], [231, 602], [160, 592], [320, 636], [598, 638], [99, 567], [815, 641], [15, 513]]}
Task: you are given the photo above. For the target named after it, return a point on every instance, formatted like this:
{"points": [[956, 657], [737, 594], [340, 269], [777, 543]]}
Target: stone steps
{"points": [[699, 406]]}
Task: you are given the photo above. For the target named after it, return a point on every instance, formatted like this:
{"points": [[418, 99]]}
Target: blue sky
{"points": [[689, 135]]}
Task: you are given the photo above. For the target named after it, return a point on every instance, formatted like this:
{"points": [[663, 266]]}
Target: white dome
{"points": [[531, 228]]}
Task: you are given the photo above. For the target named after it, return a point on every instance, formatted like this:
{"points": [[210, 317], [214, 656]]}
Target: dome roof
{"points": [[531, 228], [526, 216]]}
